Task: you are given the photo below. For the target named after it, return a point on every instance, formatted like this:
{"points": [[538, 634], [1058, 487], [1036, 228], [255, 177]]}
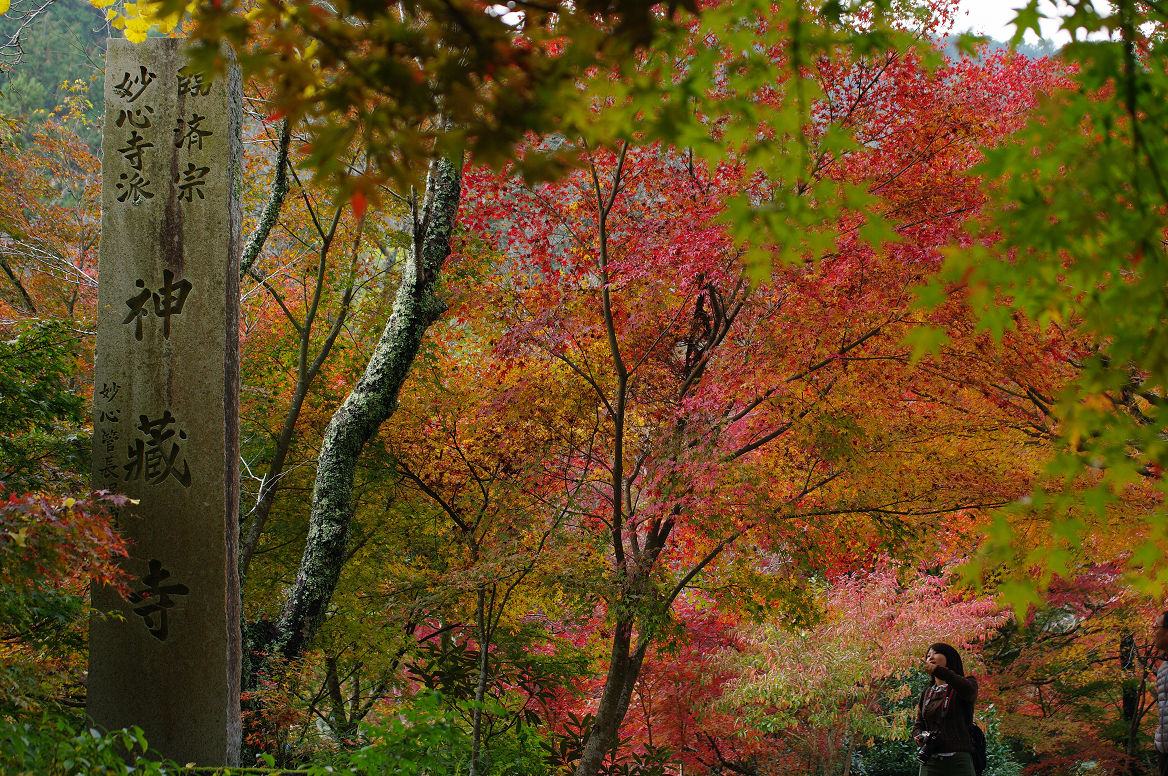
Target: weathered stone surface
{"points": [[166, 401]]}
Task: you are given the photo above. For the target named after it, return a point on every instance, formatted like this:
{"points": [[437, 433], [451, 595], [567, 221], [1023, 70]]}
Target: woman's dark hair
{"points": [[952, 657]]}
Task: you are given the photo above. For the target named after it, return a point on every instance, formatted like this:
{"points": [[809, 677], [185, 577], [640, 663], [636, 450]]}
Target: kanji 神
{"points": [[192, 83], [133, 188], [191, 182], [135, 118], [152, 602], [132, 86], [135, 146], [189, 132], [169, 299], [138, 311], [155, 457]]}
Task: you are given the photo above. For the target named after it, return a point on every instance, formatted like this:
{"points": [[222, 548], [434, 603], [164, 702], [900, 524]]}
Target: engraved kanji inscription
{"points": [[108, 444], [133, 84], [109, 438], [168, 300], [154, 601], [109, 468], [191, 82], [134, 148], [138, 311], [134, 188], [191, 182], [135, 118], [158, 454], [190, 133]]}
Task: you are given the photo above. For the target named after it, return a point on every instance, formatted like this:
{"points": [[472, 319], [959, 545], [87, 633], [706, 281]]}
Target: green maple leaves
{"points": [[1079, 198]]}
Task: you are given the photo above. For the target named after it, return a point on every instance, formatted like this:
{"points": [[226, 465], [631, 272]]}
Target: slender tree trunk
{"points": [[339, 719], [624, 668], [1133, 728], [848, 754], [476, 768], [306, 373], [372, 401], [25, 299], [1131, 700]]}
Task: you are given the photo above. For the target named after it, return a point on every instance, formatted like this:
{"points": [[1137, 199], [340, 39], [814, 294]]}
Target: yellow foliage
{"points": [[137, 19], [136, 28]]}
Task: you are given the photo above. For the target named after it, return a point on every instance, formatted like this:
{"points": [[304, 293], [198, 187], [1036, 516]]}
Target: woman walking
{"points": [[944, 713]]}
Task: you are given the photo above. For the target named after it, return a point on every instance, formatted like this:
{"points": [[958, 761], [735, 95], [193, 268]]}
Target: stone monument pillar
{"points": [[166, 401]]}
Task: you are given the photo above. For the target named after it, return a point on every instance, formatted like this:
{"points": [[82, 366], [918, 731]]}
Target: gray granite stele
{"points": [[166, 401]]}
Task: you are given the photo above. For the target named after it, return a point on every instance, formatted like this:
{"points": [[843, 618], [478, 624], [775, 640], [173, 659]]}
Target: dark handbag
{"points": [[979, 748]]}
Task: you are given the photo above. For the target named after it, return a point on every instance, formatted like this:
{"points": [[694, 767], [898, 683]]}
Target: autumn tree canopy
{"points": [[640, 388]]}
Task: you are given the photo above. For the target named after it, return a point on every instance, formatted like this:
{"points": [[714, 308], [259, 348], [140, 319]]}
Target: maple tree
{"points": [[1075, 680], [316, 274], [50, 550], [647, 404], [715, 412], [298, 270], [476, 465], [42, 439], [363, 652], [824, 689], [49, 219], [1078, 243], [800, 689], [49, 187]]}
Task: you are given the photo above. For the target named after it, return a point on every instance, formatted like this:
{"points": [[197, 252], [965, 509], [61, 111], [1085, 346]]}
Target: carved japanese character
{"points": [[138, 311], [191, 182], [156, 456], [135, 146], [133, 188], [152, 602], [132, 86], [190, 133], [135, 118], [110, 469], [169, 299], [190, 82]]}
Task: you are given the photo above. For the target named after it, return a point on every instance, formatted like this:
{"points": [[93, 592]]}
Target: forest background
{"points": [[771, 343]]}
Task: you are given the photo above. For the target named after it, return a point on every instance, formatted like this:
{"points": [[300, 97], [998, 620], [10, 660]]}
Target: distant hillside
{"points": [[1033, 50], [65, 43]]}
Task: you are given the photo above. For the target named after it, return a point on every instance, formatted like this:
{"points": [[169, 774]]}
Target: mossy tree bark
{"points": [[371, 402]]}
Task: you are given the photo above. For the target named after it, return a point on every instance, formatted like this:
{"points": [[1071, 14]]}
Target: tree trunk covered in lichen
{"points": [[271, 212], [371, 402]]}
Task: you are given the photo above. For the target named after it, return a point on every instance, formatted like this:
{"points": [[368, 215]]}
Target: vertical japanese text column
{"points": [[166, 401]]}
